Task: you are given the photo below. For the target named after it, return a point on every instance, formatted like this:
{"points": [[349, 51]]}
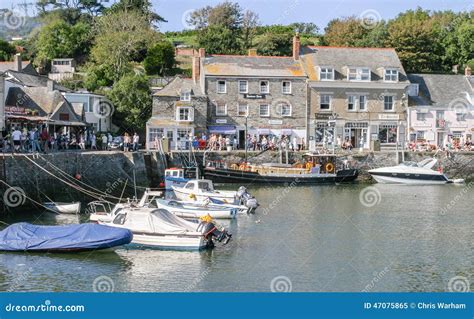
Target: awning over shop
{"points": [[286, 131], [160, 122], [221, 129], [263, 131], [27, 118], [66, 123]]}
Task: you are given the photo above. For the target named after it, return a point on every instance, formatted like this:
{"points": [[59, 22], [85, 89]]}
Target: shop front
{"points": [[177, 135], [357, 134]]}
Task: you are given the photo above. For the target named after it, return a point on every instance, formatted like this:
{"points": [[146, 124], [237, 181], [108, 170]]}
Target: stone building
{"points": [[441, 109], [267, 95], [179, 112], [356, 95]]}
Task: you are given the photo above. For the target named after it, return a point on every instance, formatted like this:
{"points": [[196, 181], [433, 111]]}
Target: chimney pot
{"points": [[468, 71], [202, 52], [50, 85]]}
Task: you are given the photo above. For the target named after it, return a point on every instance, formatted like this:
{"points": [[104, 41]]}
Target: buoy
{"points": [[162, 184], [77, 176]]}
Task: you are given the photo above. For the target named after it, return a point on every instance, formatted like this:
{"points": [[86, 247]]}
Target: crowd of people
{"points": [[219, 142], [39, 139], [452, 145]]}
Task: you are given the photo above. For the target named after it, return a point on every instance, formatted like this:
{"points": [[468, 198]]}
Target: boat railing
{"points": [[99, 207]]}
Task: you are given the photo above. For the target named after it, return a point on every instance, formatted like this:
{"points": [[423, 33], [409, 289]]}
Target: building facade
{"points": [[94, 109], [356, 95], [179, 113], [441, 109]]}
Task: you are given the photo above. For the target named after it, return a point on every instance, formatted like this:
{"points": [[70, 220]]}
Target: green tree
{"points": [[58, 39], [275, 44], [348, 31], [144, 7], [160, 58], [218, 40], [6, 50], [121, 37], [131, 97]]}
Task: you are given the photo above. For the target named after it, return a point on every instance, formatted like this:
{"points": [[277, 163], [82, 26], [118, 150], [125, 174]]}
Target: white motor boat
{"points": [[194, 210], [202, 191], [410, 173], [158, 228], [63, 208], [174, 177]]}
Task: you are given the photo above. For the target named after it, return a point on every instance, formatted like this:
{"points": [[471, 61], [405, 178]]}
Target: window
{"points": [[326, 74], [184, 114], [285, 109], [264, 110], [64, 116], [154, 134], [440, 115], [421, 116], [388, 103], [351, 102], [221, 109], [460, 117], [243, 86], [420, 135], [362, 102], [358, 74], [221, 86], [185, 96], [325, 102], [391, 75], [264, 87], [242, 110], [457, 134], [286, 87]]}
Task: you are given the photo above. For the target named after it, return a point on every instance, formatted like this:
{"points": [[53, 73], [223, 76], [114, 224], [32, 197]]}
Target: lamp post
{"points": [[245, 137]]}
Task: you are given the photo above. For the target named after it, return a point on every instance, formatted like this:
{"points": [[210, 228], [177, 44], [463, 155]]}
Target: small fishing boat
{"points": [[64, 238], [190, 210], [158, 228], [63, 208], [174, 177], [410, 173], [317, 169], [202, 190]]}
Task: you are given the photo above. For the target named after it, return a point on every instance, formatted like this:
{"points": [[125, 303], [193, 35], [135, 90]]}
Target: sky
{"points": [[288, 11]]}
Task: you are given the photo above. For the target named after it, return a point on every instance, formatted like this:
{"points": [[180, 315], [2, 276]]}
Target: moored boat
{"points": [[64, 238], [410, 173], [317, 169], [190, 210], [63, 208], [158, 228], [174, 177]]}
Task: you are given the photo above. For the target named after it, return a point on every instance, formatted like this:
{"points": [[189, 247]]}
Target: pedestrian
{"points": [[136, 139], [104, 142], [16, 137], [126, 142], [235, 144], [45, 140], [82, 142], [109, 141], [93, 141]]}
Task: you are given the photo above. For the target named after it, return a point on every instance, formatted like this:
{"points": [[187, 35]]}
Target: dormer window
{"points": [[358, 74], [185, 96], [390, 75], [326, 74]]}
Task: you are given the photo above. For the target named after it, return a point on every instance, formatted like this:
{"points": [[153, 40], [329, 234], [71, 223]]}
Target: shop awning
{"points": [[221, 129], [286, 131], [263, 131]]}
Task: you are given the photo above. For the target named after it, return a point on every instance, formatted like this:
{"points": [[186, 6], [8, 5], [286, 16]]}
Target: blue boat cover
{"points": [[216, 201], [24, 236]]}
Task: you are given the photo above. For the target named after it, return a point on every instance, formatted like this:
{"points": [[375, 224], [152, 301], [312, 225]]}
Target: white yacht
{"points": [[410, 173]]}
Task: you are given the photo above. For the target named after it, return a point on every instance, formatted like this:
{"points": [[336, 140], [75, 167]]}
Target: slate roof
{"points": [[342, 57], [38, 98], [178, 85], [32, 80], [27, 67], [439, 90], [259, 66]]}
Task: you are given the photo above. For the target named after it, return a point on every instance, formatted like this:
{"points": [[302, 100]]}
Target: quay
{"points": [[117, 172]]}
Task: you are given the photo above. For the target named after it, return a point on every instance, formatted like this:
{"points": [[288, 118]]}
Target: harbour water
{"points": [[321, 238]]}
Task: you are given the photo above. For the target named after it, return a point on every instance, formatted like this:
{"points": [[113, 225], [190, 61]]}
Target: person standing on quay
{"points": [[93, 142], [136, 139], [126, 142], [45, 140], [16, 137], [104, 142]]}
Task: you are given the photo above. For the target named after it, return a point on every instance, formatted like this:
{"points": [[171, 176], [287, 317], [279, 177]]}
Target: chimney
{"points": [[468, 71], [50, 85], [18, 63], [296, 46], [202, 53], [252, 52]]}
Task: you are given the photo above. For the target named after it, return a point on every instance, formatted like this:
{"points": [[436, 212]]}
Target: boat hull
{"points": [[168, 242], [190, 211], [63, 208], [220, 175], [412, 179]]}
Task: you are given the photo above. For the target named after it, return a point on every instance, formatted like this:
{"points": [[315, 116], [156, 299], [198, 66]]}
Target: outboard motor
{"points": [[210, 231], [246, 199]]}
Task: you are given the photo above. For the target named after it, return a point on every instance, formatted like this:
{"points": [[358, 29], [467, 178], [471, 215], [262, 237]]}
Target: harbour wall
{"points": [[57, 176]]}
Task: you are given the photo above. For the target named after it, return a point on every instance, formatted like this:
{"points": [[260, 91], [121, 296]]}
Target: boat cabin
{"points": [[174, 172], [321, 163], [200, 185]]}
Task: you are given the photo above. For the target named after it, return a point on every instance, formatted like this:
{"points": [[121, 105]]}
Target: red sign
{"points": [[14, 110]]}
